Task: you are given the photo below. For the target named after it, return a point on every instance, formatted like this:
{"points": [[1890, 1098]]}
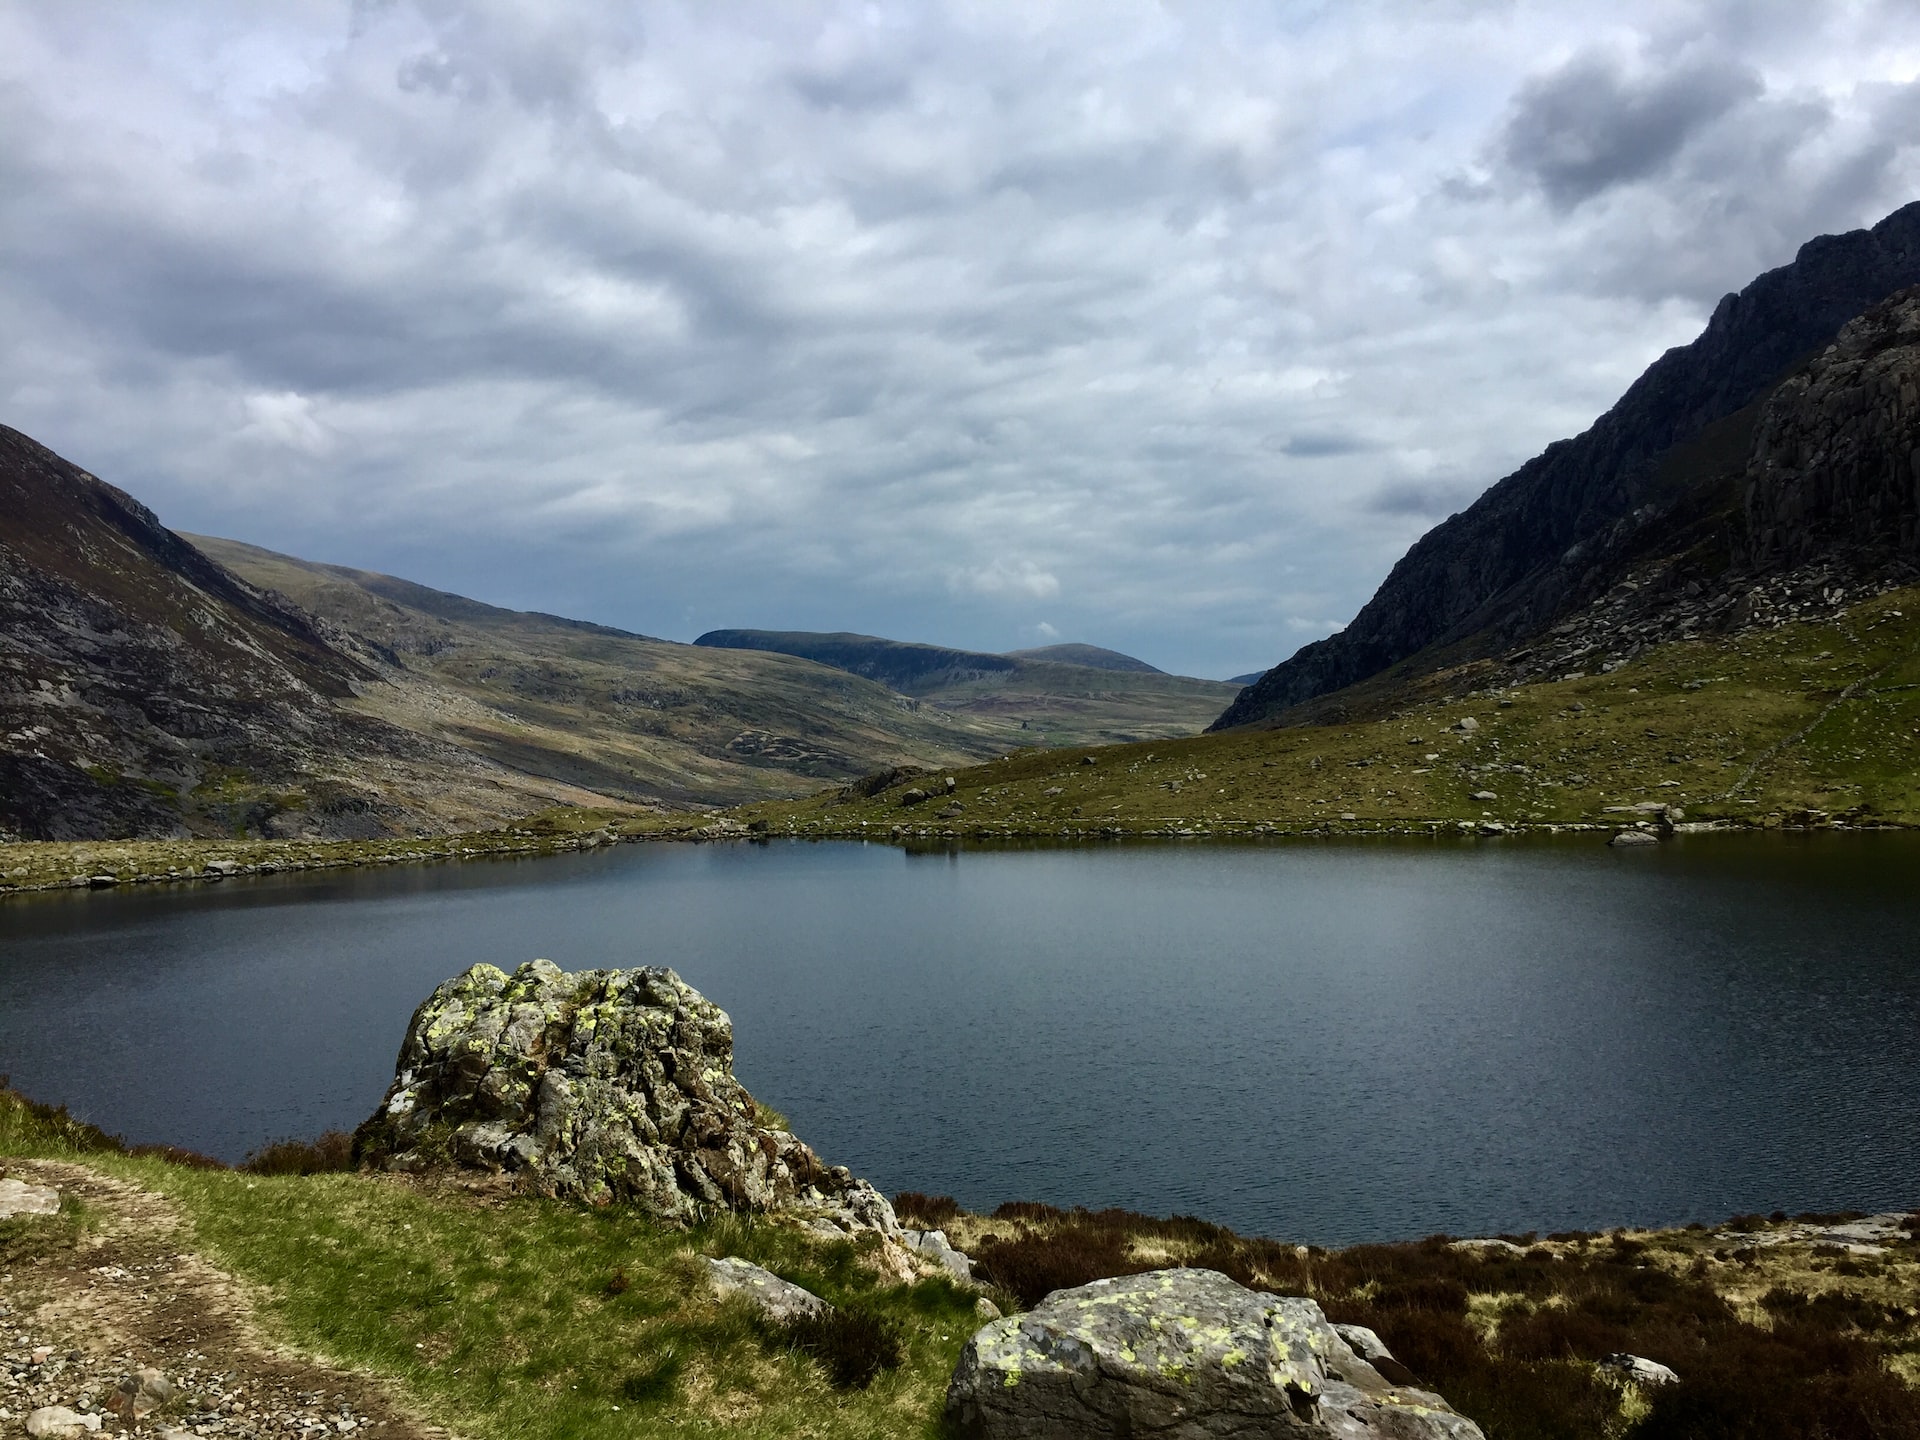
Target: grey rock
{"points": [[1639, 1370], [934, 1245], [603, 1086], [57, 1422], [19, 1198], [777, 1299], [1364, 1343], [1181, 1355], [1484, 795], [1635, 837], [986, 1309]]}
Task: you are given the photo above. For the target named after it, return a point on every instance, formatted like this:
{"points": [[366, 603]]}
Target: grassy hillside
{"points": [[1802, 723], [620, 714]]}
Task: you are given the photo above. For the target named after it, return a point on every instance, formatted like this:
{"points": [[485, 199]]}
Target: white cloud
{"points": [[1021, 578], [285, 419], [895, 317]]}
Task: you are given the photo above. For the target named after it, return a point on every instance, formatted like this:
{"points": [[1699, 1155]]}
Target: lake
{"points": [[1320, 1041]]}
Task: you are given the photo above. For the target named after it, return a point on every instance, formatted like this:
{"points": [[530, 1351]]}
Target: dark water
{"points": [[1326, 1042]]}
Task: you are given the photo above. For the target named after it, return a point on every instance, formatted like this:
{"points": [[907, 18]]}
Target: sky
{"points": [[1162, 327]]}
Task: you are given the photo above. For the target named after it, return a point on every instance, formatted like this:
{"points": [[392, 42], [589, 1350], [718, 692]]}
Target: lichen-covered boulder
{"points": [[1181, 1355], [604, 1086]]}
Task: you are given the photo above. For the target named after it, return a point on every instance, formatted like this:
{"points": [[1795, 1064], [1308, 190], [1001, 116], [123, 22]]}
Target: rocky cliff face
{"points": [[132, 667], [604, 1086], [1535, 548], [1836, 460]]}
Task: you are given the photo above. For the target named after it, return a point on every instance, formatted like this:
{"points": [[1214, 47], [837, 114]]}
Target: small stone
{"points": [[986, 1309], [1483, 795], [1634, 837], [56, 1422]]}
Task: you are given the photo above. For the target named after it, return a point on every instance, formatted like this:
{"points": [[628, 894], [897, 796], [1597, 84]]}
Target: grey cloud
{"points": [[1316, 444], [807, 319], [1590, 125]]}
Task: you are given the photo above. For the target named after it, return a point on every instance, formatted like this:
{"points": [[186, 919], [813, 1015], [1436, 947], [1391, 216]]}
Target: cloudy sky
{"points": [[1166, 327]]}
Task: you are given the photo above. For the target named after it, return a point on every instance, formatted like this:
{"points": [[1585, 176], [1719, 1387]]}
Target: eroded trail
{"points": [[80, 1314]]}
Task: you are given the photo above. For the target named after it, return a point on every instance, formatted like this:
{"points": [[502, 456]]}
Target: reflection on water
{"points": [[1322, 1041]]}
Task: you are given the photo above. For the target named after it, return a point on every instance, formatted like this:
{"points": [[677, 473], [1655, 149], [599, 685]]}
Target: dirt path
{"points": [[75, 1318]]}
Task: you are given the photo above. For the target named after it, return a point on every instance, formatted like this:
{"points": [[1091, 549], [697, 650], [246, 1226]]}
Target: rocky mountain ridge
{"points": [[140, 682], [1658, 475]]}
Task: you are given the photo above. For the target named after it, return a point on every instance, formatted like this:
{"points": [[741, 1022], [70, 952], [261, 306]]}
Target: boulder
{"points": [[1181, 1355], [1635, 837], [1638, 1370], [19, 1198], [604, 1086], [775, 1298]]}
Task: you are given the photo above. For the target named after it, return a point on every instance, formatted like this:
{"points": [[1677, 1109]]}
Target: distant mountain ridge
{"points": [[1098, 697], [1094, 656], [1557, 534], [904, 665]]}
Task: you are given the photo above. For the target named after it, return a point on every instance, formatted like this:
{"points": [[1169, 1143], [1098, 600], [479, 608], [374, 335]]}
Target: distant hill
{"points": [[1047, 702], [1246, 679], [1090, 655], [1658, 475], [145, 690]]}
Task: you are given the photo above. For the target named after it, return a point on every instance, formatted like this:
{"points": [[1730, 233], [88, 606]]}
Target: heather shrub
{"points": [[332, 1152]]}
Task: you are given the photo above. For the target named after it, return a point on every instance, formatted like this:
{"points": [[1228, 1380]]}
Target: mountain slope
{"points": [[146, 691], [1036, 700], [1522, 557], [1096, 656], [621, 714]]}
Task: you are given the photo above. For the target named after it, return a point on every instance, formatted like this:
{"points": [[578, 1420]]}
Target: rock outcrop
{"points": [[604, 1086], [1181, 1355], [1836, 461], [1549, 538]]}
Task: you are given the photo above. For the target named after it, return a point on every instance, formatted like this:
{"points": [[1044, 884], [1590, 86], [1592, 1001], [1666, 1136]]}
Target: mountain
{"points": [[1653, 476], [144, 690], [1043, 701], [1247, 679], [1091, 655], [623, 715]]}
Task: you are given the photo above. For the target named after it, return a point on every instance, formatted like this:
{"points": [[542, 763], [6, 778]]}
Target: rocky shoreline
{"points": [[117, 865]]}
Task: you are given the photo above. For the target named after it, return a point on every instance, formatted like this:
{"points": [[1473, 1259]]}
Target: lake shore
{"points": [[41, 866]]}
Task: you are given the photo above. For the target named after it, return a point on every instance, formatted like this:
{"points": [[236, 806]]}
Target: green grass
{"points": [[1807, 723], [503, 1317], [506, 1316]]}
